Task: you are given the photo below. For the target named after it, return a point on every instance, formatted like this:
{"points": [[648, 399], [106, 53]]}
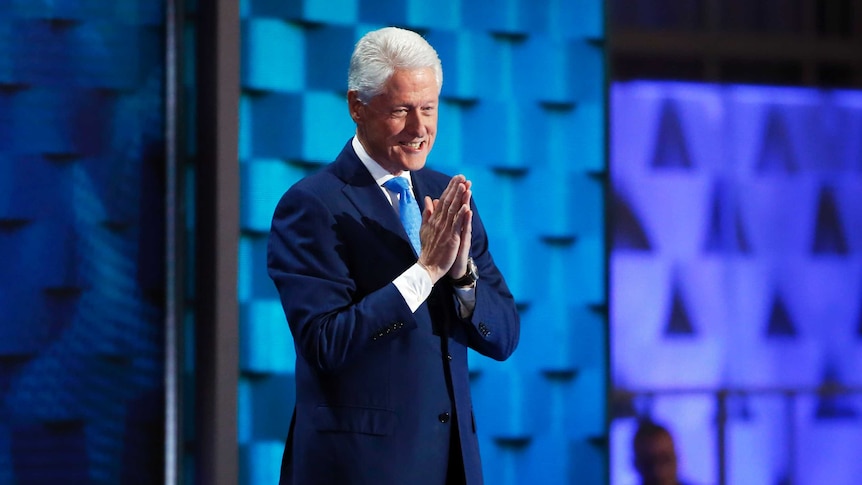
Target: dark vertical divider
{"points": [[216, 248]]}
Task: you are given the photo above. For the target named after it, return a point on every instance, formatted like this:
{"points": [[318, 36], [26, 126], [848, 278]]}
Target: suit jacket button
{"points": [[448, 356], [443, 417]]}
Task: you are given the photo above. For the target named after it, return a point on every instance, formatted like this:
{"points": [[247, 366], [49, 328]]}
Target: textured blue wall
{"points": [[523, 116], [737, 263], [81, 234]]}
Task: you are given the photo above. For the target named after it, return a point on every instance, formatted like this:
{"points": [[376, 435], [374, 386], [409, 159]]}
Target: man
{"points": [[381, 325], [655, 454]]}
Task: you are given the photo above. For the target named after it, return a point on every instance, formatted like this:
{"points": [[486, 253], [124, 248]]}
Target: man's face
{"points": [[655, 460], [397, 127]]}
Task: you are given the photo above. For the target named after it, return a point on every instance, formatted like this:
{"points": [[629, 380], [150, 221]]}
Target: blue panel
{"points": [[384, 12], [266, 345], [548, 462], [253, 280], [273, 55], [328, 49], [263, 183], [329, 110], [273, 395], [509, 126], [544, 54], [509, 404], [436, 15], [416, 13], [507, 16], [331, 11], [275, 139], [260, 462], [583, 19], [588, 419], [315, 11]]}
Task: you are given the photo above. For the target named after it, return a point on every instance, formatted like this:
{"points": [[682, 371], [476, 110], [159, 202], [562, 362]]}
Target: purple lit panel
{"points": [[736, 264]]}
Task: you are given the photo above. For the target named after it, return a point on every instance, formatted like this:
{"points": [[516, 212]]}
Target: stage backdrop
{"points": [[523, 116], [736, 279], [81, 238]]}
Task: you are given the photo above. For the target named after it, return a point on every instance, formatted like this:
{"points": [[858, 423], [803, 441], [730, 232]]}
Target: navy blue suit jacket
{"points": [[376, 385]]}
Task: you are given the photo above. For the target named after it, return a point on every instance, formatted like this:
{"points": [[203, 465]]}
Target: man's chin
{"points": [[413, 162]]}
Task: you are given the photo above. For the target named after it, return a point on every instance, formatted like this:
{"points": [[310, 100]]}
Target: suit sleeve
{"points": [[495, 326], [329, 321]]}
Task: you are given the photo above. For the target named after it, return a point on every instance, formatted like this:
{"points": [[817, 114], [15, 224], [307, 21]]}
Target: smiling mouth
{"points": [[414, 145]]}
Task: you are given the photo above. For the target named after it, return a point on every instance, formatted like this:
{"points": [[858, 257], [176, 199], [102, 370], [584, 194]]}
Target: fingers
{"points": [[467, 227], [428, 210], [456, 195], [447, 214]]}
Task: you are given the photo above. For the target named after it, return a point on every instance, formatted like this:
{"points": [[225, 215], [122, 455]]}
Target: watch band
{"points": [[470, 277]]}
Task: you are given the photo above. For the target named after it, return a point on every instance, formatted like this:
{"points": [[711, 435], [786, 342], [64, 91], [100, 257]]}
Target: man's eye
{"points": [[400, 113]]}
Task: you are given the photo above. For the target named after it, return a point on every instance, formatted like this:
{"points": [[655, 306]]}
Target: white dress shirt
{"points": [[414, 284]]}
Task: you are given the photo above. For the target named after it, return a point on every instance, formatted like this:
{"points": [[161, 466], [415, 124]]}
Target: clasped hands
{"points": [[446, 231]]}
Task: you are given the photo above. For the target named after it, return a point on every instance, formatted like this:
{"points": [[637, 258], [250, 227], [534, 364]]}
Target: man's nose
{"points": [[413, 124]]}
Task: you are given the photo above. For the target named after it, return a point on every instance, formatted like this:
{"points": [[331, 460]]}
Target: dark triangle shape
{"points": [[721, 236], [715, 236], [834, 405], [628, 232], [671, 148], [776, 154], [741, 236], [679, 323], [780, 323], [829, 232], [784, 479], [739, 409]]}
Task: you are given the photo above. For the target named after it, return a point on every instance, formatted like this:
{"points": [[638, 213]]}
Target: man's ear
{"points": [[354, 105]]}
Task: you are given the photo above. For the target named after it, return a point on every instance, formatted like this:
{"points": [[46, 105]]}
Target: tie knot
{"points": [[398, 184]]}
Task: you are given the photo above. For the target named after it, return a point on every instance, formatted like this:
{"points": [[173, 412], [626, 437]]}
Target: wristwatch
{"points": [[470, 277]]}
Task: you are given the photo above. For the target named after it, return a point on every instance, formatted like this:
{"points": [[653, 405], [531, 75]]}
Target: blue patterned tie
{"points": [[408, 209]]}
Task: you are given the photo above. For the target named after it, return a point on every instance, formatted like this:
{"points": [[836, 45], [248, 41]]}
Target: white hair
{"points": [[379, 53]]}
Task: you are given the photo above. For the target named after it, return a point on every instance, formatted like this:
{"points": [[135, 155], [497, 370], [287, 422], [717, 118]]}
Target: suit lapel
{"points": [[364, 193]]}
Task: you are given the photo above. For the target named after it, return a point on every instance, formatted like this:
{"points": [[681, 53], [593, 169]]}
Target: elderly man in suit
{"points": [[383, 297]]}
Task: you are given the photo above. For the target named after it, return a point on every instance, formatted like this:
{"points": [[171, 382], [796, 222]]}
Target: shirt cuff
{"points": [[467, 299], [415, 286]]}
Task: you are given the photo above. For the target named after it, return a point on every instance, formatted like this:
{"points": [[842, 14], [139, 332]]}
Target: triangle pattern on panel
{"points": [[679, 321], [833, 404], [724, 235], [780, 322], [671, 147], [628, 232], [784, 479], [776, 153], [829, 235], [738, 408]]}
